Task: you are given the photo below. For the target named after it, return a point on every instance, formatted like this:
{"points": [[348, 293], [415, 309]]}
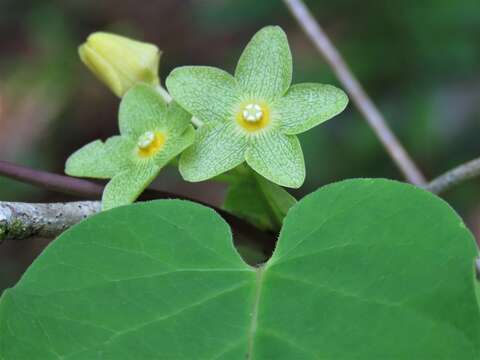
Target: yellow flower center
{"points": [[253, 117], [150, 143]]}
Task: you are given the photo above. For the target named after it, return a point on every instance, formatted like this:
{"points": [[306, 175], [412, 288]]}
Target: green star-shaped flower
{"points": [[152, 134], [253, 116]]}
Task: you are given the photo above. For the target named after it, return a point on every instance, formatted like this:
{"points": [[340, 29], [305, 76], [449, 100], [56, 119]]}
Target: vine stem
{"points": [[19, 221], [359, 96], [454, 177]]}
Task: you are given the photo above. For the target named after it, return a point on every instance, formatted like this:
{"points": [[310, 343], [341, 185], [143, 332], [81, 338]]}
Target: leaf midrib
{"points": [[254, 322]]}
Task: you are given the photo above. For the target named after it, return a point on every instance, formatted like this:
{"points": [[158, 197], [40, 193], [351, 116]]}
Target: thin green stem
{"points": [[167, 97]]}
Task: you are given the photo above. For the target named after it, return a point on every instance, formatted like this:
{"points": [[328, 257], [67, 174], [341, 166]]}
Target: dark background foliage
{"points": [[420, 61]]}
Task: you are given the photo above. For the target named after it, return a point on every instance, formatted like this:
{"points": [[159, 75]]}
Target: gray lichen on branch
{"points": [[19, 221]]}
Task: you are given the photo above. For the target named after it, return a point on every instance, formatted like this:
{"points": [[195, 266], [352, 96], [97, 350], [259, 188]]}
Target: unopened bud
{"points": [[120, 62]]}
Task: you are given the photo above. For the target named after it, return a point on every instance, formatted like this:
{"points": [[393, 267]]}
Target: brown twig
{"points": [[455, 176], [53, 182], [360, 98]]}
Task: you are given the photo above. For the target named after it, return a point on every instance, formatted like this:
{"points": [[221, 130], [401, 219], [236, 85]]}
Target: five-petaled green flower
{"points": [[152, 134], [253, 116]]}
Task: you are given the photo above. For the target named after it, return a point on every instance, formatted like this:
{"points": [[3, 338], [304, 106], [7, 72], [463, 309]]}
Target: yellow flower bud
{"points": [[120, 62]]}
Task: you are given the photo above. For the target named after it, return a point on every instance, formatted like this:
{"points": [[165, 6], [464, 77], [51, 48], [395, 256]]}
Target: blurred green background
{"points": [[419, 60]]}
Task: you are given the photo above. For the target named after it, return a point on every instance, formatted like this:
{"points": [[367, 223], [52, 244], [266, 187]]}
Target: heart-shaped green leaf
{"points": [[364, 269]]}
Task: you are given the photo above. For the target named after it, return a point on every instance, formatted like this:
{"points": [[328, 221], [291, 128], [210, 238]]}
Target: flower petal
{"points": [[174, 145], [127, 186], [307, 105], [101, 160], [216, 149], [178, 119], [208, 93], [277, 157], [264, 70], [142, 109]]}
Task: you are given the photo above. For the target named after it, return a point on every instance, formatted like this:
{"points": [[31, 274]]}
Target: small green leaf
{"points": [[141, 109], [124, 188], [277, 157], [259, 201], [279, 200], [245, 200], [100, 160], [264, 70], [307, 105], [216, 149], [206, 92], [363, 269]]}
